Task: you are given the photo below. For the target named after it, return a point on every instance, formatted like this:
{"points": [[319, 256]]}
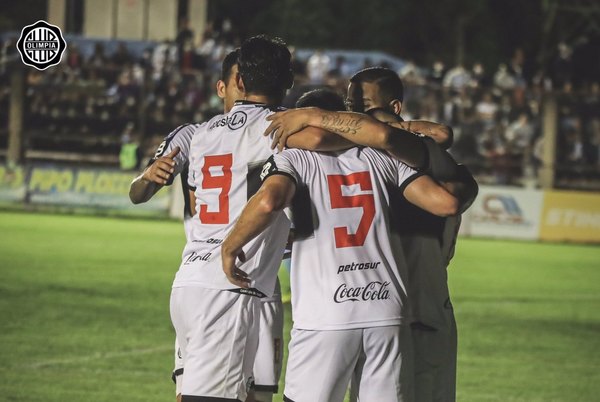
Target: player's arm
{"points": [[463, 187], [440, 133], [273, 196], [315, 139], [358, 128], [456, 178], [434, 198], [153, 178], [192, 198]]}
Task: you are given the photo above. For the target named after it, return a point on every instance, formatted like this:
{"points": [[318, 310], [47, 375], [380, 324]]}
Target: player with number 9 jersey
{"points": [[226, 158]]}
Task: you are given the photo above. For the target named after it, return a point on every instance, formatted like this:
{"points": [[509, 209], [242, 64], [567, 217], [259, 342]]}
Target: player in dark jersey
{"points": [[428, 243]]}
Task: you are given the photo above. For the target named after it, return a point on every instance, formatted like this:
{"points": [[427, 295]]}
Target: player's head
{"points": [[264, 66], [323, 98], [227, 88], [375, 87], [384, 115]]}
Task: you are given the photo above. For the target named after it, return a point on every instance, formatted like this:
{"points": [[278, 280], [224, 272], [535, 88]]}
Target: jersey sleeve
{"points": [[395, 172], [283, 164], [180, 137], [405, 175]]}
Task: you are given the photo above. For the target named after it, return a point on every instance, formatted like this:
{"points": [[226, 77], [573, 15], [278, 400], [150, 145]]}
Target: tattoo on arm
{"points": [[341, 125], [405, 125]]}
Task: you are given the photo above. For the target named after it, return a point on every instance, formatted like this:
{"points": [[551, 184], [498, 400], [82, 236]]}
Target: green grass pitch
{"points": [[84, 313]]}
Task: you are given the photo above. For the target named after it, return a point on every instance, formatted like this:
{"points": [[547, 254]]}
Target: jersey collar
{"points": [[247, 102]]}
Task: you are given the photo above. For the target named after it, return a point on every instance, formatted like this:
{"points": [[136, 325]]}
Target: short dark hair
{"points": [[264, 64], [323, 98], [388, 82], [228, 62]]}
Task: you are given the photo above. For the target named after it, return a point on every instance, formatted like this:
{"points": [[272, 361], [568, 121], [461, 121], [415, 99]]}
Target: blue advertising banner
{"points": [[76, 188]]}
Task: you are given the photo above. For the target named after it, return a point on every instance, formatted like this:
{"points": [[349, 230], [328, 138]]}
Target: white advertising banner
{"points": [[506, 212]]}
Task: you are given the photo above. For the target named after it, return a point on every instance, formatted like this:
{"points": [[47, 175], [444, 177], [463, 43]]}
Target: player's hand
{"points": [[283, 124], [235, 275], [161, 169]]}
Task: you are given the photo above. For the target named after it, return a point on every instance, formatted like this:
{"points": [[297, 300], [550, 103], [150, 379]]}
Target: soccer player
{"points": [[348, 291], [428, 243], [215, 322], [427, 256], [380, 88], [170, 159]]}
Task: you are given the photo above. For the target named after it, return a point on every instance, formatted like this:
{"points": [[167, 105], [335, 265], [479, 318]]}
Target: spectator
{"points": [[563, 67], [130, 154], [486, 110], [457, 78], [438, 70], [121, 57], [317, 67], [503, 79], [519, 134], [184, 41]]}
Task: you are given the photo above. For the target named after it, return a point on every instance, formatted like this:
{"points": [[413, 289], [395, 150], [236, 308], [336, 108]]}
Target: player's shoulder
{"points": [[379, 157], [184, 130], [296, 154], [254, 110], [258, 107], [180, 137]]}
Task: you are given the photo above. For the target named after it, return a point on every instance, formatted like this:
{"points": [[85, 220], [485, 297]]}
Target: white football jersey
{"points": [[180, 137], [226, 158], [345, 272]]}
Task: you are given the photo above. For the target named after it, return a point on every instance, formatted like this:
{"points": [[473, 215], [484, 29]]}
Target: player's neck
{"points": [[269, 100]]}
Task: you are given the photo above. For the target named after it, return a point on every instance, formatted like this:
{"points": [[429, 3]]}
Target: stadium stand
{"points": [[107, 92]]}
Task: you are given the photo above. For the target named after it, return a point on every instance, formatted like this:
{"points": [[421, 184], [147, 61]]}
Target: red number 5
{"points": [[364, 201], [223, 182]]}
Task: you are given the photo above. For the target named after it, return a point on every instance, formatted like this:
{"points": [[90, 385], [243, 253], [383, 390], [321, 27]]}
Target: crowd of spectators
{"points": [[105, 100], [497, 117]]}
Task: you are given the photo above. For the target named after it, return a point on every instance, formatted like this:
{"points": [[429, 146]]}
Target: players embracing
{"points": [[350, 270]]}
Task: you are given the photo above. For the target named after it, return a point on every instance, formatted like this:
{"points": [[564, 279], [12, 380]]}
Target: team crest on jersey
{"points": [[41, 45]]}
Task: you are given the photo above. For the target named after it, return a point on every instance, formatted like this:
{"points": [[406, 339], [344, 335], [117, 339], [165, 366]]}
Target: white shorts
{"points": [[269, 355], [217, 333], [435, 362], [178, 369], [321, 364]]}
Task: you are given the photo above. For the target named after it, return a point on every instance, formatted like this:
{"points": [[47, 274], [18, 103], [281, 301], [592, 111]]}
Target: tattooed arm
{"points": [[440, 133], [355, 127]]}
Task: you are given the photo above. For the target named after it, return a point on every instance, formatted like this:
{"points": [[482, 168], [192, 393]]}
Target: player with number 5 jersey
{"points": [[347, 279]]}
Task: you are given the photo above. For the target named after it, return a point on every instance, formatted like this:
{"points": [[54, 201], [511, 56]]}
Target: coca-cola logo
{"points": [[372, 291]]}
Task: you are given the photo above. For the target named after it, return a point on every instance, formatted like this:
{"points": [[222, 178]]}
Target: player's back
{"points": [[226, 158], [345, 272]]}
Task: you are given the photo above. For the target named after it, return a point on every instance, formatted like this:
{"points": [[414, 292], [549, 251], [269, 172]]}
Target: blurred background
{"points": [[518, 81]]}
